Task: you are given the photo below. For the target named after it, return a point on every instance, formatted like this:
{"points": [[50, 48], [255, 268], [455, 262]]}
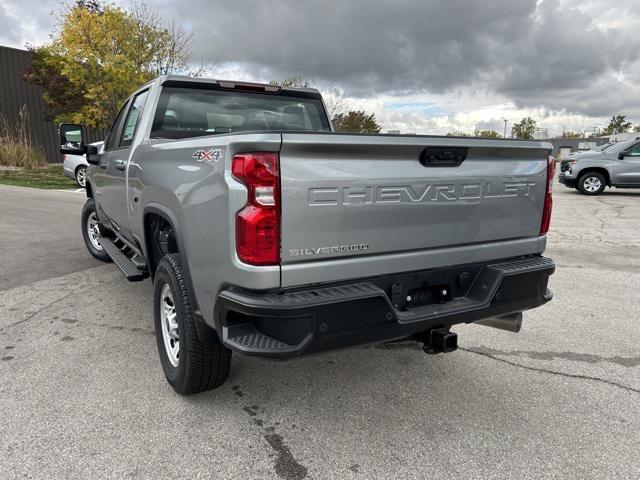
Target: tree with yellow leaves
{"points": [[99, 54]]}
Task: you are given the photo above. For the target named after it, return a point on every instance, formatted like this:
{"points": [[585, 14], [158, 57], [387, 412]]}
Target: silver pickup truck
{"points": [[614, 165], [266, 233]]}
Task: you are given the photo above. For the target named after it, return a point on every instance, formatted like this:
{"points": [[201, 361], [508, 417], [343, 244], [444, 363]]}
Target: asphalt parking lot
{"points": [[82, 394]]}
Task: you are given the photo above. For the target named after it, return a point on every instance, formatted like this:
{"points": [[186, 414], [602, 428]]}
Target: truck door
{"points": [[627, 169], [113, 194]]}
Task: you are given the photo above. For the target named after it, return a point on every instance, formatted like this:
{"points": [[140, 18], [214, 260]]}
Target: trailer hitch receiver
{"points": [[440, 340]]}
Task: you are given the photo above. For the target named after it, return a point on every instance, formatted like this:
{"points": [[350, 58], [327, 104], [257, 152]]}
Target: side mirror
{"points": [[71, 139], [621, 155], [92, 154]]}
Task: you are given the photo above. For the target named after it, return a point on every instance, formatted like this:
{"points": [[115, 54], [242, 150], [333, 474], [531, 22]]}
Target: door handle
{"points": [[119, 164]]}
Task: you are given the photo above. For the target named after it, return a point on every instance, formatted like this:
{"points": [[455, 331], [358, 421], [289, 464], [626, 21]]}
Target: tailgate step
{"points": [[128, 266]]}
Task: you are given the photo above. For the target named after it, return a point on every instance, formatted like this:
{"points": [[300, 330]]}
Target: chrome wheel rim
{"points": [[81, 177], [169, 325], [592, 184], [94, 231]]}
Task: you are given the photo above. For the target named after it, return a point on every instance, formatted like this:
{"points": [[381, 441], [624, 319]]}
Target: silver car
{"points": [[75, 166]]}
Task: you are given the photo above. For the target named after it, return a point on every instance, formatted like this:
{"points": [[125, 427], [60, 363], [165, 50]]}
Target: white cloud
{"points": [[468, 113]]}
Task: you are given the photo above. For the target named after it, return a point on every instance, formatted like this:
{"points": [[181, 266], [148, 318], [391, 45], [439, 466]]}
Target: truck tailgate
{"points": [[365, 195]]}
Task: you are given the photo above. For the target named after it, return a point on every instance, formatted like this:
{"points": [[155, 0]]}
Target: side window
{"points": [[131, 123], [634, 151], [110, 142]]}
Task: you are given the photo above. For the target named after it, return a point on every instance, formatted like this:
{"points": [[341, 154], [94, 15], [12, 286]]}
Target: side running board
{"points": [[133, 266]]}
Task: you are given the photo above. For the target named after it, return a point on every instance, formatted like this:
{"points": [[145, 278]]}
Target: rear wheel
{"points": [[189, 365], [592, 183], [81, 176], [91, 231]]}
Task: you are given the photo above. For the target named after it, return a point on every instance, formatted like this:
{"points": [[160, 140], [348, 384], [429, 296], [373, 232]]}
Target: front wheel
{"points": [[91, 231], [592, 183], [189, 365]]}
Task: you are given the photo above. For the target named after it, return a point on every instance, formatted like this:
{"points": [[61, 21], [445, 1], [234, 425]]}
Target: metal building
{"points": [[15, 93]]}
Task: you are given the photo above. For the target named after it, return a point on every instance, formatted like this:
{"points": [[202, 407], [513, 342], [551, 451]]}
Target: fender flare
{"points": [[168, 216], [88, 188], [206, 333]]}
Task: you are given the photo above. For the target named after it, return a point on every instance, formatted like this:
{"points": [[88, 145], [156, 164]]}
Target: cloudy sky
{"points": [[424, 66]]}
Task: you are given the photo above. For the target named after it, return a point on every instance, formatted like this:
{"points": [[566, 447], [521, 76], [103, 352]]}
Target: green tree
{"points": [[486, 133], [458, 133], [572, 135], [524, 129], [636, 128], [356, 121], [617, 124], [100, 52]]}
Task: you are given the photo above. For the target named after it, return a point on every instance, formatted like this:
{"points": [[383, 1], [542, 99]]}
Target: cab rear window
{"points": [[192, 112]]}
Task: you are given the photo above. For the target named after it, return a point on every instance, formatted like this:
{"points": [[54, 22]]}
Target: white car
{"points": [[75, 166]]}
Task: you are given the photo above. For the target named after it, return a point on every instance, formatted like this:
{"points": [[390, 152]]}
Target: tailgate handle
{"points": [[443, 156]]}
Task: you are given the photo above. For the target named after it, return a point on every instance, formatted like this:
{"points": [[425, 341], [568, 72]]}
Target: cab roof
{"points": [[235, 84]]}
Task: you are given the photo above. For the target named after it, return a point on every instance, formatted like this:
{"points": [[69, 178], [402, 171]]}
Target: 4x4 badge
{"points": [[207, 155]]}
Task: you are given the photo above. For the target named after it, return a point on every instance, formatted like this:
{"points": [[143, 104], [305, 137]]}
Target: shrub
{"points": [[17, 148]]}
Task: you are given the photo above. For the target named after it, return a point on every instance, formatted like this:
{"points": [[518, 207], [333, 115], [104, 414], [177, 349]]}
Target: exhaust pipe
{"points": [[510, 323]]}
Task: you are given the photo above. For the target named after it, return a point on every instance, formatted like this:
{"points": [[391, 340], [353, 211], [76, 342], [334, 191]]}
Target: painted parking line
{"points": [[78, 190]]}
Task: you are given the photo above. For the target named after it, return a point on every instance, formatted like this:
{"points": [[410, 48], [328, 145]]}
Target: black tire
{"points": [[81, 173], [587, 181], [200, 367], [88, 210]]}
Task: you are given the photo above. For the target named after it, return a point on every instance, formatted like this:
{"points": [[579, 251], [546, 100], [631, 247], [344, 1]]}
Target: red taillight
{"points": [[548, 200], [258, 223]]}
